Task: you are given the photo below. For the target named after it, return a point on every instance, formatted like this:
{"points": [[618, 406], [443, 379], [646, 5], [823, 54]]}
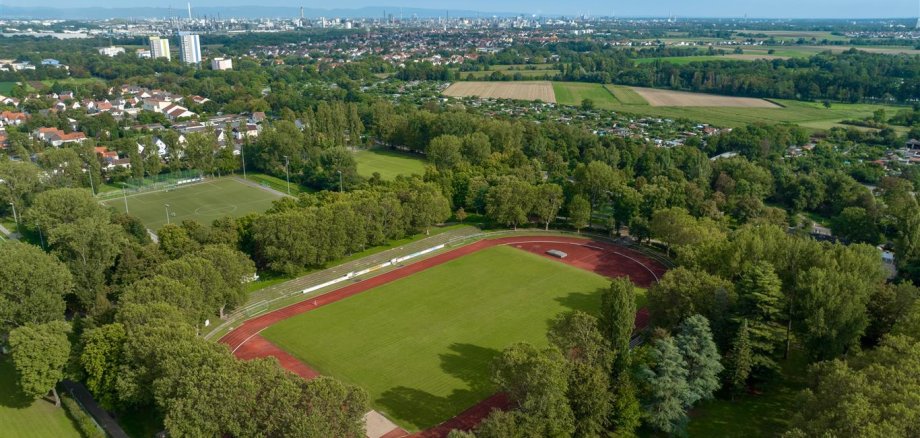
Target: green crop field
{"points": [[389, 164], [422, 345], [626, 95], [202, 202], [573, 93], [6, 87], [21, 416], [811, 115]]}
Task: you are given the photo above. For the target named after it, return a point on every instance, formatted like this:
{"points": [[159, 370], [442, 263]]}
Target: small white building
{"points": [[221, 64], [111, 51]]}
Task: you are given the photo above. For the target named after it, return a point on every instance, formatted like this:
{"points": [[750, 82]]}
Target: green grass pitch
{"points": [[202, 202], [422, 345], [21, 416], [389, 164]]}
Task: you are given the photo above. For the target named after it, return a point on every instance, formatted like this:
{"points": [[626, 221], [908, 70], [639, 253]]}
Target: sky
{"points": [[680, 8]]}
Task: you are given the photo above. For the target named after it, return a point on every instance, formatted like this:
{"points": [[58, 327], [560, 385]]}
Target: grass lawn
{"points": [[572, 93], [626, 95], [279, 184], [6, 87], [422, 345], [202, 202], [389, 164], [21, 416]]}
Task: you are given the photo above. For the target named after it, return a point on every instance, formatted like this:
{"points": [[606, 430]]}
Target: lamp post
{"points": [[287, 174], [92, 185], [243, 156], [124, 192], [167, 213]]}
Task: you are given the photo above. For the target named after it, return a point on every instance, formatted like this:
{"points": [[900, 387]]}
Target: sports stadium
{"points": [[421, 334]]}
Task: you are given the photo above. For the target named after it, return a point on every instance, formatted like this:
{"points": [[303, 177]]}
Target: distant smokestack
{"points": [[301, 12], [190, 11]]}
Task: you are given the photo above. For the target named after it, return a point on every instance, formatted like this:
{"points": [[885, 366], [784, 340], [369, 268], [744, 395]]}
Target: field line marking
{"points": [[247, 340]]}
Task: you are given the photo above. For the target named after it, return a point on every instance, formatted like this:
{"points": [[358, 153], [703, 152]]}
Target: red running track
{"points": [[602, 258]]}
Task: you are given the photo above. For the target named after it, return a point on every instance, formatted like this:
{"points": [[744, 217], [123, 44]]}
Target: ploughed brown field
{"points": [[540, 90], [657, 97]]}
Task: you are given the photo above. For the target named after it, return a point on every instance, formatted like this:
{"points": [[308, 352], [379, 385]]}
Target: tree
{"points": [[20, 179], [536, 382], [548, 200], [235, 267], [740, 361], [889, 304], [677, 228], [100, 357], [39, 354], [175, 241], [444, 152], [579, 212], [577, 336], [665, 393], [424, 204], [874, 394], [830, 315], [695, 343], [509, 201], [682, 293], [595, 180], [587, 104], [61, 206], [33, 285], [762, 304], [856, 225], [618, 317], [89, 247]]}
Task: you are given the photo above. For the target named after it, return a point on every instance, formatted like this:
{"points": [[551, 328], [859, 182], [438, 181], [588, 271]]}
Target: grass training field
{"points": [[422, 345], [389, 164], [21, 416], [201, 202], [519, 90]]}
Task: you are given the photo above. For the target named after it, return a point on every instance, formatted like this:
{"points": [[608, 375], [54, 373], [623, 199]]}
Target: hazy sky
{"points": [[685, 8]]}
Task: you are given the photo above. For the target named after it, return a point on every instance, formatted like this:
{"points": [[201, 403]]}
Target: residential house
{"points": [[12, 118]]}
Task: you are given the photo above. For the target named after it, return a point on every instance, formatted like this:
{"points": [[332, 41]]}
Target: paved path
{"points": [[8, 234], [85, 399]]}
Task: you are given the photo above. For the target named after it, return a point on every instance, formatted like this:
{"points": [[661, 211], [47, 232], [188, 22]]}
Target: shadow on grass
{"points": [[10, 394], [467, 362], [586, 302]]}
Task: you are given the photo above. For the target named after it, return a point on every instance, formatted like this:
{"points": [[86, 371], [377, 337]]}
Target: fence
{"points": [[156, 183]]}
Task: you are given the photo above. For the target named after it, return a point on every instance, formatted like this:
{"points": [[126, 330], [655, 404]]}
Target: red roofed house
{"points": [[11, 118]]}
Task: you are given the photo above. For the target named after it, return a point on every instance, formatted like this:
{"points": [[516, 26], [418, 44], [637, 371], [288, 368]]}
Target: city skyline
{"points": [[849, 9]]}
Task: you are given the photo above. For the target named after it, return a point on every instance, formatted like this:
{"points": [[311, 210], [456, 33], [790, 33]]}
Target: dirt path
{"points": [[603, 258]]}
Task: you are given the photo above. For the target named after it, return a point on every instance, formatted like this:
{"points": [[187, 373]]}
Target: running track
{"points": [[602, 258]]}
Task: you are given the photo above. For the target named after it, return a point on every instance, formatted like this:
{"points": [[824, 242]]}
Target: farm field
{"points": [[681, 60], [811, 115], [389, 164], [422, 345], [670, 98], [21, 416], [201, 202], [503, 90], [572, 93]]}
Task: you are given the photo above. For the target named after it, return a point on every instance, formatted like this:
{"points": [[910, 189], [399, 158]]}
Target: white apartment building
{"points": [[159, 48], [191, 48]]}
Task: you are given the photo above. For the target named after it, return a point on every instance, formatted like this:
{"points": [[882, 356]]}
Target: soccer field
{"points": [[389, 164], [201, 202], [422, 345]]}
